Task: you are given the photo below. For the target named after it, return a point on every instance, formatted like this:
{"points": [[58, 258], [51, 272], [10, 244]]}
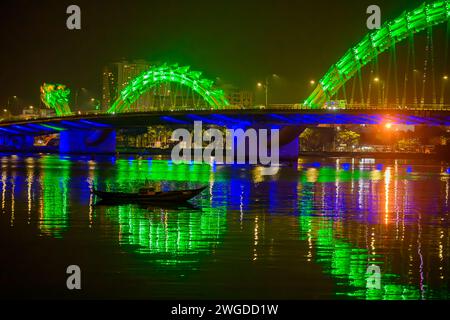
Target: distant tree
{"points": [[316, 139], [310, 140], [348, 138], [428, 133], [438, 141], [410, 145]]}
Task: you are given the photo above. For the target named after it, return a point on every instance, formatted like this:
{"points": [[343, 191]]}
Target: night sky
{"points": [[240, 41]]}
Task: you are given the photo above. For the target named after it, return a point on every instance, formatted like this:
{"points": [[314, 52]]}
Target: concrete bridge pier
{"points": [[289, 143], [95, 141]]}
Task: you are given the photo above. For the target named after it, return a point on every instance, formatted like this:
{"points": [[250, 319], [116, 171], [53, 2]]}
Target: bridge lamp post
{"points": [[77, 93], [312, 83], [260, 85], [9, 102], [417, 74], [95, 103], [266, 86], [444, 84], [378, 81]]}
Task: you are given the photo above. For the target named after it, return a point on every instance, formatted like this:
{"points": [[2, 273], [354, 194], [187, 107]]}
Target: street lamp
{"points": [[9, 104], [95, 103], [266, 86], [260, 85], [77, 93], [444, 84], [381, 93]]}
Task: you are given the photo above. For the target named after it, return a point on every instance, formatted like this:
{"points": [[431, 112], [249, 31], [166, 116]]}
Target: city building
{"points": [[109, 88], [237, 97], [33, 113], [117, 76], [241, 98]]}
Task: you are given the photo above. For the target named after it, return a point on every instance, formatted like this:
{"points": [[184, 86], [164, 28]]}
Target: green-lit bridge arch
{"points": [[157, 75], [375, 43]]}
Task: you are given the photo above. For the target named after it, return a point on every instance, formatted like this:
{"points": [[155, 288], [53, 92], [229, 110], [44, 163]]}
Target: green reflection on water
{"points": [[167, 236], [347, 264], [170, 237], [158, 171], [331, 175], [54, 217]]}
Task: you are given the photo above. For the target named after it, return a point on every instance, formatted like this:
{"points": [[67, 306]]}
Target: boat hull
{"points": [[160, 197]]}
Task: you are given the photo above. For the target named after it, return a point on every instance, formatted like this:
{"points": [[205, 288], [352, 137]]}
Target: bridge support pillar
{"points": [[289, 143], [97, 141], [290, 151], [16, 143]]}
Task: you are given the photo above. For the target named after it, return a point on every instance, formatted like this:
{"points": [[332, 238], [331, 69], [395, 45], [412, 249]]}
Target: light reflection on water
{"points": [[170, 237], [339, 216]]}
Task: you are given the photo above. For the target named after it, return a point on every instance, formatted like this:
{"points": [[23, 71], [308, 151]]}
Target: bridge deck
{"points": [[229, 118]]}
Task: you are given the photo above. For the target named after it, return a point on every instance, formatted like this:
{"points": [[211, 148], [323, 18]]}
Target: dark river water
{"points": [[309, 232]]}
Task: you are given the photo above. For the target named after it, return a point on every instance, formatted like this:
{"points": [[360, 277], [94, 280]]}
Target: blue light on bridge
{"points": [[229, 120], [24, 128], [173, 120], [40, 127], [283, 119], [76, 124], [95, 124], [9, 131], [207, 120]]}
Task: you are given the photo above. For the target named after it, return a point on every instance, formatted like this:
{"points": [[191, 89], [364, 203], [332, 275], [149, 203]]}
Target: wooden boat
{"points": [[148, 195], [152, 206]]}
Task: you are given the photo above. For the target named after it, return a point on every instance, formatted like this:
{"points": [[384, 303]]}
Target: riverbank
{"points": [[377, 155], [313, 154]]}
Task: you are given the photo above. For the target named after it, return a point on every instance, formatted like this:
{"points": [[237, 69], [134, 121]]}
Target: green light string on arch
{"points": [[169, 73], [375, 43]]}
